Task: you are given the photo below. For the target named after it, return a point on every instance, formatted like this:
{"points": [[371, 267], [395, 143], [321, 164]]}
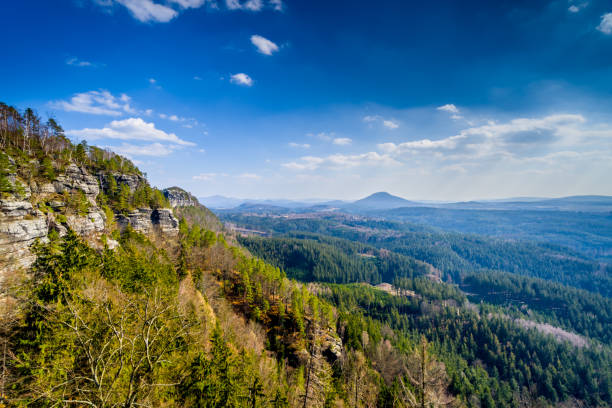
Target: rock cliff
{"points": [[180, 198], [29, 216]]}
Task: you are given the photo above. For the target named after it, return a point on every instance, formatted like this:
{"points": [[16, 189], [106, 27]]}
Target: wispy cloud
{"points": [[241, 79], [253, 5], [146, 10], [605, 26], [341, 161], [129, 129], [205, 176], [342, 141], [76, 62], [100, 102], [449, 107], [158, 11], [153, 149], [522, 136], [248, 176], [325, 136], [575, 8], [388, 123], [263, 45], [299, 145]]}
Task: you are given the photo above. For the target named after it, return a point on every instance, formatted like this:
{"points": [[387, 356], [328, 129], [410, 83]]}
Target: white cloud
{"points": [[388, 123], [149, 11], [277, 4], [163, 11], [299, 145], [342, 141], [254, 5], [522, 136], [263, 45], [129, 129], [241, 79], [189, 3], [197, 78], [74, 61], [97, 103], [153, 149], [341, 161], [152, 81], [606, 24], [449, 107], [205, 176], [573, 9], [325, 136], [249, 176]]}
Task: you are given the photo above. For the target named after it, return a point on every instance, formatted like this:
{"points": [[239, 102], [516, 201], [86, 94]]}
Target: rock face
{"points": [[77, 178], [87, 225], [146, 221], [21, 224], [165, 221], [133, 181], [180, 198]]}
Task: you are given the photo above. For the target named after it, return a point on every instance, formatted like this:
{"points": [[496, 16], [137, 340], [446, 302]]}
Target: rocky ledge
{"points": [[146, 221], [180, 198]]}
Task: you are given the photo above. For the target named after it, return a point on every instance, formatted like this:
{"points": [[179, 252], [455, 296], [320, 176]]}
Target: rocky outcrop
{"points": [[21, 223], [20, 226], [76, 178], [180, 198], [88, 224], [163, 219], [146, 221], [139, 220], [133, 181]]}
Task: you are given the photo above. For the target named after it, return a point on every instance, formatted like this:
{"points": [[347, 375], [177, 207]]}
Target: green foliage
{"points": [[327, 259], [589, 314], [453, 254], [5, 170], [48, 170]]}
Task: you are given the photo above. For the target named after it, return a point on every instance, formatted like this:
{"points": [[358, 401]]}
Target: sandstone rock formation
{"points": [[22, 223]]}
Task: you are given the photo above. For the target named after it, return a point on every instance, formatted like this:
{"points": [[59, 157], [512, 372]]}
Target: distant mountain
{"points": [[381, 201], [221, 202], [589, 203]]}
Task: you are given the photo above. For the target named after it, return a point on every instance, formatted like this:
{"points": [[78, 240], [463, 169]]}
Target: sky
{"points": [[446, 100]]}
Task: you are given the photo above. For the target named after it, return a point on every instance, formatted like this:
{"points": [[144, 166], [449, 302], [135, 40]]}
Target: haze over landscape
{"points": [[306, 204]]}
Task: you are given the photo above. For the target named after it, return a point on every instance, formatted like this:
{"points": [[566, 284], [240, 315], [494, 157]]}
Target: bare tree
{"points": [[425, 381]]}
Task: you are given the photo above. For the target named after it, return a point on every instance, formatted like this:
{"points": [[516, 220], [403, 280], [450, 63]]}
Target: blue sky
{"points": [[439, 100]]}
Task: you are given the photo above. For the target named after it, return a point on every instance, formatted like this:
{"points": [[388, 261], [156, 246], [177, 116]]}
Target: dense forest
{"points": [[587, 232], [452, 253], [326, 259]]}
